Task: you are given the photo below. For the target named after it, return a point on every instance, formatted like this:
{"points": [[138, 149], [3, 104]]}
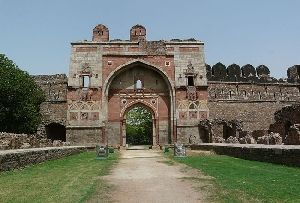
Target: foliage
{"points": [[249, 181], [75, 178], [20, 99], [139, 126]]}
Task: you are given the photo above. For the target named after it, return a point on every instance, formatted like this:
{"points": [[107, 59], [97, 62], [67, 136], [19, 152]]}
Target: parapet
{"points": [[101, 33], [138, 33], [293, 74], [248, 73]]}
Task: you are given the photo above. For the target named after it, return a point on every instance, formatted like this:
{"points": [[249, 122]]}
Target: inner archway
{"points": [[56, 131], [139, 126], [139, 83]]}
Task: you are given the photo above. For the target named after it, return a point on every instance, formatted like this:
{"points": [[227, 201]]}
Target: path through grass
{"points": [[76, 178], [248, 181]]}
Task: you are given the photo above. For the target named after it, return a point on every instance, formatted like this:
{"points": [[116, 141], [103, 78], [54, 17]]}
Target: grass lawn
{"points": [[75, 178], [239, 180]]}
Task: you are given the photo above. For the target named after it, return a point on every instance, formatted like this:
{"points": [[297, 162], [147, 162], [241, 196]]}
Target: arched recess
{"points": [[56, 131], [145, 66], [155, 125], [131, 64]]}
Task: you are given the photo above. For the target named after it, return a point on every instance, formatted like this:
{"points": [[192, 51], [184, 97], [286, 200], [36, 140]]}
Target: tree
{"points": [[20, 99], [139, 126]]}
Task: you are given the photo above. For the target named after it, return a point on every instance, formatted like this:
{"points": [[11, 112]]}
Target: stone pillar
{"points": [[123, 130], [154, 140]]}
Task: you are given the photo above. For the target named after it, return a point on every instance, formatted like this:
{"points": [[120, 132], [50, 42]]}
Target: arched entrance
{"points": [[139, 83], [139, 125], [56, 131]]}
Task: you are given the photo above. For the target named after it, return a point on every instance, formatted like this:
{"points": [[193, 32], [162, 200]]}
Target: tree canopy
{"points": [[20, 99], [139, 126]]}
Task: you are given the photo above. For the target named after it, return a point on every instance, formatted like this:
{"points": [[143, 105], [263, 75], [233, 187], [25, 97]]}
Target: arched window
{"points": [[138, 84]]}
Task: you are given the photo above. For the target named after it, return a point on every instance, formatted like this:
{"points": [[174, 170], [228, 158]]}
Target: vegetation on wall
{"points": [[139, 126], [20, 99]]}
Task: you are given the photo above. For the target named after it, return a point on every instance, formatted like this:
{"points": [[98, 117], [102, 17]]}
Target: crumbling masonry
{"points": [[190, 101]]}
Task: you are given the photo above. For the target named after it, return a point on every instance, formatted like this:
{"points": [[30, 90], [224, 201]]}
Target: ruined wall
{"points": [[24, 141], [253, 103], [286, 123], [278, 154], [54, 109], [10, 160]]}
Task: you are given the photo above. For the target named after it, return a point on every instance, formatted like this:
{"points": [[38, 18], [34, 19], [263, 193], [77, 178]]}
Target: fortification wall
{"points": [[54, 109], [252, 103]]}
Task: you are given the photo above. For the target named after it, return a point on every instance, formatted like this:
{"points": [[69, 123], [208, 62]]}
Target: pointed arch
{"points": [[131, 64]]}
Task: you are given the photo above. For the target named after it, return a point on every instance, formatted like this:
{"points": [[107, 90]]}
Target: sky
{"points": [[36, 34]]}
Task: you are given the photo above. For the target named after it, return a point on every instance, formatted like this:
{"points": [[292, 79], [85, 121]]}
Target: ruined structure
{"points": [[54, 109], [107, 78], [190, 101]]}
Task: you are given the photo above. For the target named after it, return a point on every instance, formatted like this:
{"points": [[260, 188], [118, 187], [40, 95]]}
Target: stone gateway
{"points": [[108, 78], [189, 101]]}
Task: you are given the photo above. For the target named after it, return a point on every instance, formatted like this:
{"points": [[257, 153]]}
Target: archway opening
{"points": [[287, 126], [139, 126], [56, 131], [204, 135], [227, 131]]}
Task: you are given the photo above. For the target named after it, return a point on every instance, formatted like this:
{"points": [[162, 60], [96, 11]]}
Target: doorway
{"points": [[139, 126], [56, 131]]}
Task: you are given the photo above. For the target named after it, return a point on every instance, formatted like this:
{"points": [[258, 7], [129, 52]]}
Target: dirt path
{"points": [[146, 176]]}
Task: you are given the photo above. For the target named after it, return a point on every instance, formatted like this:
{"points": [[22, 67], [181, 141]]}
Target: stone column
{"points": [[154, 140], [124, 132]]}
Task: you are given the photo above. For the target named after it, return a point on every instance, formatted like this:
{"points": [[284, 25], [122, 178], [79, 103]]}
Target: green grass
{"points": [[76, 178], [240, 180]]}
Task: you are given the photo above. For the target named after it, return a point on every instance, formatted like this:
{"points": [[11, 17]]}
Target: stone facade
{"points": [[103, 86], [54, 109], [176, 86]]}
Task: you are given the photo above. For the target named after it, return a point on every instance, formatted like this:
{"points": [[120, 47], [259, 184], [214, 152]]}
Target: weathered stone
{"points": [[10, 160], [101, 151], [270, 139], [249, 99], [66, 143], [179, 150], [248, 139], [275, 139], [25, 145], [218, 140], [293, 137], [232, 140], [57, 143], [263, 140]]}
